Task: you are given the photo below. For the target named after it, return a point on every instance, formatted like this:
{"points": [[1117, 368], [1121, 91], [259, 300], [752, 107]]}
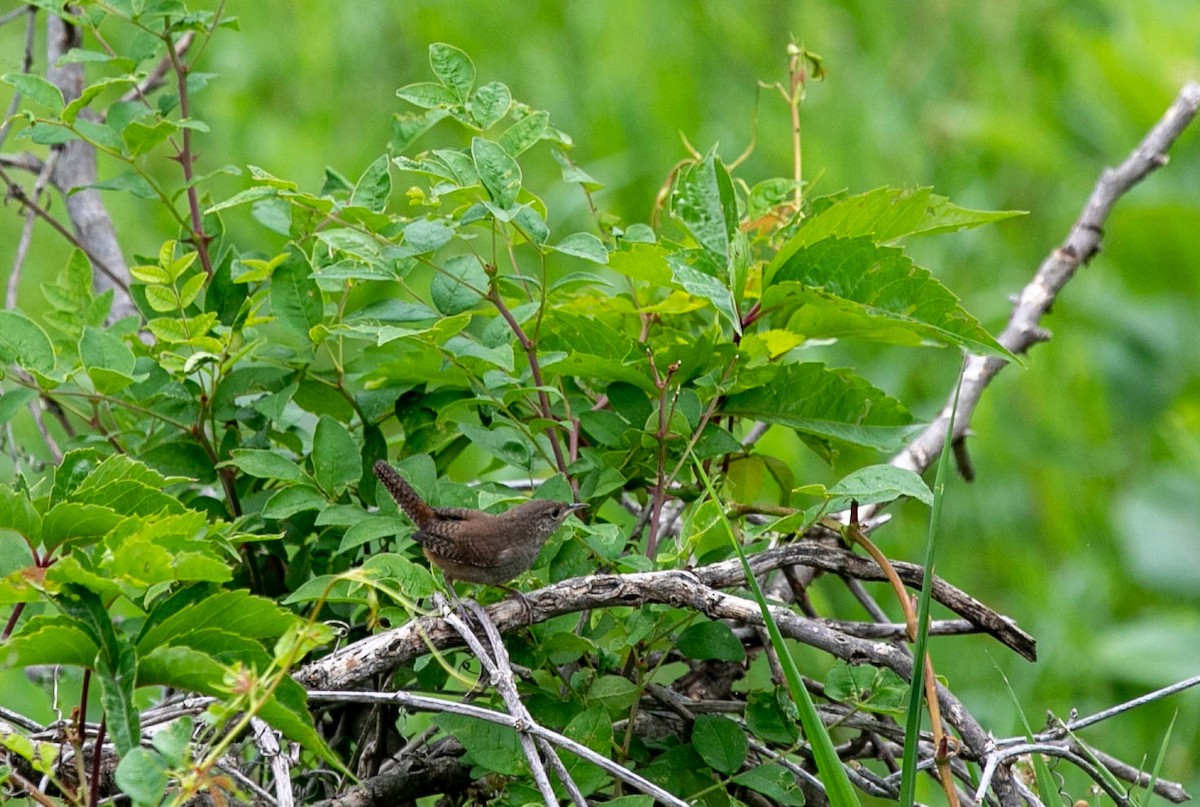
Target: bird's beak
{"points": [[575, 508]]}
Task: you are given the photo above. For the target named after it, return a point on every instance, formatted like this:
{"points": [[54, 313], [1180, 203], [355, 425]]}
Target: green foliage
{"points": [[215, 496]]}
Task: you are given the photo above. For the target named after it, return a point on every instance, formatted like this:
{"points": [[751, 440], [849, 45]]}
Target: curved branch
{"points": [[1081, 245]]}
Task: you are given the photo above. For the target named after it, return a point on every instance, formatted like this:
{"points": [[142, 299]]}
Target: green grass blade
{"points": [[912, 727], [837, 785]]}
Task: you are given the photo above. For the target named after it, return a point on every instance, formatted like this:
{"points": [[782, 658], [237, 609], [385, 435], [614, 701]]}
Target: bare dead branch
{"points": [[1081, 244]]}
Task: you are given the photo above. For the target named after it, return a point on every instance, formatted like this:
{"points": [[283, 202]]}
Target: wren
{"points": [[473, 545]]}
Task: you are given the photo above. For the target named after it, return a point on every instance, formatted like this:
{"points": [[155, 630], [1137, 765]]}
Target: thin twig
{"points": [[427, 704]]}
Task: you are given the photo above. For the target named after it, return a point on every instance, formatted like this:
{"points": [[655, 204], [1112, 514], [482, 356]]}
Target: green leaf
{"points": [[24, 343], [72, 522], [424, 235], [36, 89], [108, 360], [719, 742], [49, 640], [264, 464], [825, 404], [18, 514], [583, 245], [773, 781], [886, 215], [115, 665], [701, 284], [238, 613], [336, 458], [492, 747], [771, 715], [453, 68], [498, 171], [142, 776], [525, 133], [295, 297], [459, 286], [141, 137], [704, 203], [374, 186], [710, 640], [853, 287], [614, 693], [881, 483], [428, 95], [14, 401], [490, 103], [643, 262], [292, 500]]}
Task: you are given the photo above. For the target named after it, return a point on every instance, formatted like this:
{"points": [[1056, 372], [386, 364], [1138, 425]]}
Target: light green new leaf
{"points": [[498, 171], [887, 214], [335, 456], [704, 203], [843, 287], [490, 103], [825, 404], [699, 283], [453, 68], [374, 186], [23, 342], [583, 245], [17, 513], [428, 95], [525, 133]]}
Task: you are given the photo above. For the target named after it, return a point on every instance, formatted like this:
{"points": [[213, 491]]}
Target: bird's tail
{"points": [[408, 499]]}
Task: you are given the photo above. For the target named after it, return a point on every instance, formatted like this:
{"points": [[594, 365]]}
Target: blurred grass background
{"points": [[1084, 524]]}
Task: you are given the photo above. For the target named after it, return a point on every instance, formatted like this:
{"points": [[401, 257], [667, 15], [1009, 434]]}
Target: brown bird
{"points": [[473, 545]]}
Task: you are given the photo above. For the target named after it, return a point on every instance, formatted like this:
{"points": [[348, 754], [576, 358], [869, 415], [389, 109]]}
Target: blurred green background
{"points": [[1084, 524]]}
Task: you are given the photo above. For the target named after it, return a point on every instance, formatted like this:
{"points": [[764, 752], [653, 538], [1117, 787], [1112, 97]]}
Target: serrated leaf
{"points": [[583, 245], [24, 343], [706, 286], [239, 613], [453, 68], [49, 640], [643, 262], [853, 287], [498, 171], [704, 203], [74, 521], [826, 404]]}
